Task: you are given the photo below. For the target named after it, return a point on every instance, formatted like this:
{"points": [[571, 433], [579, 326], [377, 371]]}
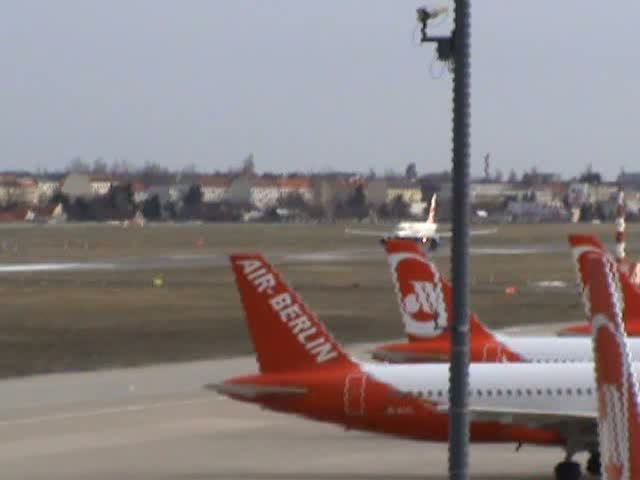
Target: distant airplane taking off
{"points": [[422, 232]]}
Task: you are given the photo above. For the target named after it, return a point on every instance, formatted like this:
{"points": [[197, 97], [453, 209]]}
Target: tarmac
{"points": [[222, 260], [158, 423]]}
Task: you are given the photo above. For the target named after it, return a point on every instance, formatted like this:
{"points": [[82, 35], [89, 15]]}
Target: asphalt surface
{"points": [[158, 423], [221, 260]]}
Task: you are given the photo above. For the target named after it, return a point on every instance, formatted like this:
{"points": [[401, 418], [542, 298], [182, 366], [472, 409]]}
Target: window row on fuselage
{"points": [[505, 392]]}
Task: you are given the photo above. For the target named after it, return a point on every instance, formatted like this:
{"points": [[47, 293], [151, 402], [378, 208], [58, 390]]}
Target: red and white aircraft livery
{"points": [[582, 247], [425, 301], [631, 268], [304, 371], [616, 383]]}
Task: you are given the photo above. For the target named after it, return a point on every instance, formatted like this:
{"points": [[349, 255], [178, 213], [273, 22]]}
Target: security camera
{"points": [[444, 43], [425, 13]]}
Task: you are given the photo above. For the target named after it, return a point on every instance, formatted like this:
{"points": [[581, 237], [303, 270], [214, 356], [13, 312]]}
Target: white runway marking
{"points": [[55, 267], [221, 260], [99, 412]]}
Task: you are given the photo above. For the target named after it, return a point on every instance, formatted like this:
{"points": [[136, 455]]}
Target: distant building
{"points": [[264, 192], [578, 194], [101, 184], [559, 190], [604, 192], [331, 190], [488, 195], [17, 191], [629, 179], [300, 185], [324, 194], [539, 178], [77, 185], [239, 190], [411, 192], [160, 191], [177, 191], [543, 194], [29, 189], [535, 212], [140, 192], [213, 187], [376, 191], [46, 189], [632, 200], [483, 191]]}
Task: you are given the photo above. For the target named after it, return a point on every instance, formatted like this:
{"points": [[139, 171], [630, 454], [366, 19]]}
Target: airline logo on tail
{"points": [[419, 290], [619, 421], [585, 246], [289, 310], [424, 300]]}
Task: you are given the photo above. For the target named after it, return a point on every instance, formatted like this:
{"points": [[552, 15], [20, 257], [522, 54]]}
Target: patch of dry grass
{"points": [[87, 320]]}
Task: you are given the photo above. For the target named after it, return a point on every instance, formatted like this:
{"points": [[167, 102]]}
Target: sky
{"points": [[314, 86]]}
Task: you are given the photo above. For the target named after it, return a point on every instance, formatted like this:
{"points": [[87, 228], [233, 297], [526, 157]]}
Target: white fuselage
{"points": [[554, 388], [415, 230], [558, 349]]}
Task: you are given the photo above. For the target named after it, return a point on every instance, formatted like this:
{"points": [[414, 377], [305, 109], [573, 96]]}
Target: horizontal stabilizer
{"points": [[370, 233], [253, 391]]}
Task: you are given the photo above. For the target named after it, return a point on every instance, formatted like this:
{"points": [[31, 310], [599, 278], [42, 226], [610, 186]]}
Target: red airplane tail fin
{"points": [[617, 386], [424, 297], [581, 245], [581, 248], [286, 334]]}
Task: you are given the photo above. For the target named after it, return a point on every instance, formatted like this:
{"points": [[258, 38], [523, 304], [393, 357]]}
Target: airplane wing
{"points": [[486, 231], [531, 417], [408, 357], [371, 233], [568, 421], [252, 390]]}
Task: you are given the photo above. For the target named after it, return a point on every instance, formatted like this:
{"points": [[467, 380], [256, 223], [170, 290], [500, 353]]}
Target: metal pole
{"points": [[459, 368]]}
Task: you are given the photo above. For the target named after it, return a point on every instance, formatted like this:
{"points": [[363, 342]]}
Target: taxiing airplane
{"points": [[425, 300], [422, 232], [582, 246], [304, 371], [616, 384]]}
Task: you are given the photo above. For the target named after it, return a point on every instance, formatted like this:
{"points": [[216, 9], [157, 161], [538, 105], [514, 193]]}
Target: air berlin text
{"points": [[290, 312]]}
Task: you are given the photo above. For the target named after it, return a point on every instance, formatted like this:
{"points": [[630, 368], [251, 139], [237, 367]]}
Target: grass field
{"points": [[85, 320]]}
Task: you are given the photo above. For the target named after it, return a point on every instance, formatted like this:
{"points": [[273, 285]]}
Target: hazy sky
{"points": [[314, 85]]}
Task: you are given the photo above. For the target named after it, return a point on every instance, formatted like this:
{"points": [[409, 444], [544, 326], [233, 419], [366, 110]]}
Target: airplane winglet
{"points": [[252, 390]]}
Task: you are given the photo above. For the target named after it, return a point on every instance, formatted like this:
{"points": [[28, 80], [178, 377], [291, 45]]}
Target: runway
{"points": [[221, 260], [157, 423]]}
